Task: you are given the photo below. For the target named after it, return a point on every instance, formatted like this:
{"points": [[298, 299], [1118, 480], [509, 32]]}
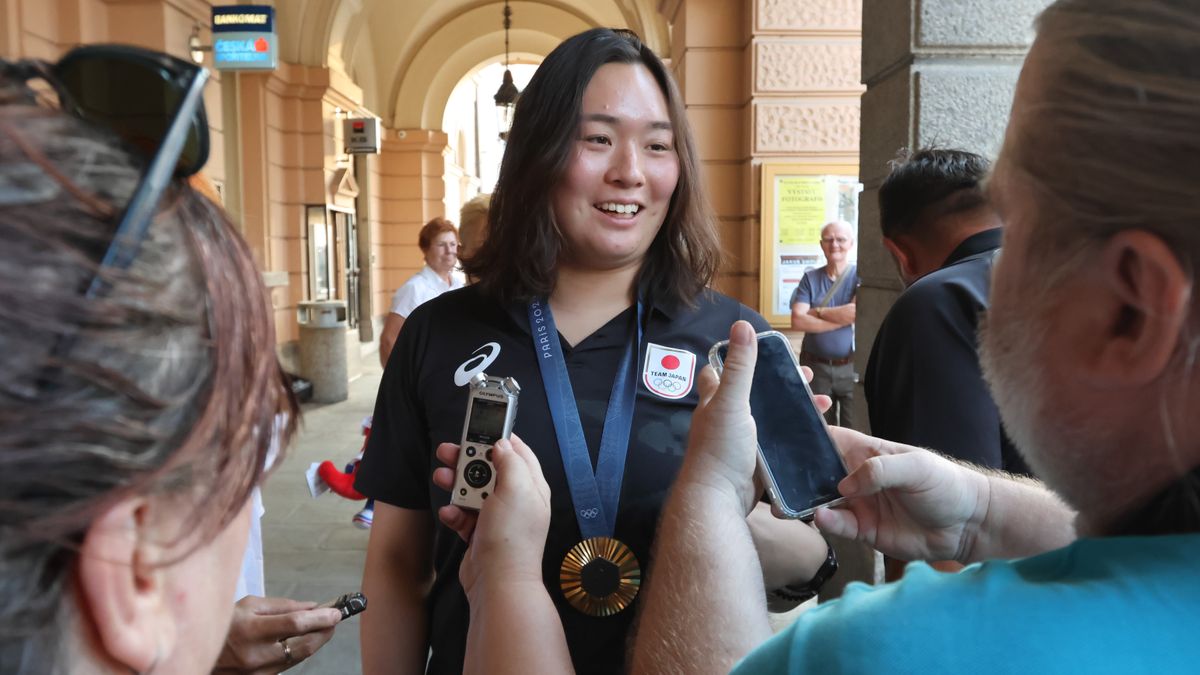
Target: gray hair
{"points": [[169, 391], [1112, 141]]}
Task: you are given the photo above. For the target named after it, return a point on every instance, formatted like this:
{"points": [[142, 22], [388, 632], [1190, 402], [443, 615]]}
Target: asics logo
{"points": [[476, 364]]}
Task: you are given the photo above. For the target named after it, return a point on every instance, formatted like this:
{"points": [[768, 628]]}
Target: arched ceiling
{"points": [[407, 55]]}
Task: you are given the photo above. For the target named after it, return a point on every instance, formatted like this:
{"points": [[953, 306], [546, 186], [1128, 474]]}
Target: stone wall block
{"points": [[962, 24], [886, 36], [722, 184], [807, 15], [714, 77], [791, 128], [875, 266], [722, 128], [885, 126], [708, 23], [964, 107], [786, 66]]}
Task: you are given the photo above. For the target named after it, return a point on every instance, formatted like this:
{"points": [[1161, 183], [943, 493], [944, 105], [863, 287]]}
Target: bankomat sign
{"points": [[244, 37]]}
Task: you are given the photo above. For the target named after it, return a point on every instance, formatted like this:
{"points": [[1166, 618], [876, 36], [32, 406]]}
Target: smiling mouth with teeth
{"points": [[621, 209]]}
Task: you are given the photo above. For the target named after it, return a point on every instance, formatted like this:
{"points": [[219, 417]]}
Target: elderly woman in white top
{"points": [[439, 244]]}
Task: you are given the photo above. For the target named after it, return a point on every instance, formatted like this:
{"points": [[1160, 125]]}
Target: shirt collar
{"points": [[519, 311], [433, 277], [980, 242]]}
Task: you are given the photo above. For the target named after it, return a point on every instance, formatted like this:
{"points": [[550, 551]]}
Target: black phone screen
{"points": [[795, 446]]}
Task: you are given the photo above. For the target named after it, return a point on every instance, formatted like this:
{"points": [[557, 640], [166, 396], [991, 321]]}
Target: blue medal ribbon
{"points": [[595, 494]]}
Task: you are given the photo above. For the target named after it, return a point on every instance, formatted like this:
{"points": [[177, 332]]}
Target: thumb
{"points": [[906, 472], [512, 472], [738, 371], [841, 522]]}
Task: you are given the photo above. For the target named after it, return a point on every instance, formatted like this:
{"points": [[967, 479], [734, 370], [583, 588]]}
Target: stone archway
{"points": [[423, 85]]}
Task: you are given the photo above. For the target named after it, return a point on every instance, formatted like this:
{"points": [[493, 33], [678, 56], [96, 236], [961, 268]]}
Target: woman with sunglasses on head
{"points": [[140, 380], [592, 294]]}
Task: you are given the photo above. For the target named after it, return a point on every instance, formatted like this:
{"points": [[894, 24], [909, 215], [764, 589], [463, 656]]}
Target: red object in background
{"points": [[261, 45], [341, 483]]}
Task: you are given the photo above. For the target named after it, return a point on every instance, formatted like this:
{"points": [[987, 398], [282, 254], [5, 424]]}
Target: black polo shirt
{"points": [[422, 402], [924, 384]]}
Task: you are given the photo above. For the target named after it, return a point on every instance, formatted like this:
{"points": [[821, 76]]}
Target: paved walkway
{"points": [[311, 549]]}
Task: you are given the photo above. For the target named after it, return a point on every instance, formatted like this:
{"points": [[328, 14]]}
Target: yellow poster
{"points": [[801, 201]]}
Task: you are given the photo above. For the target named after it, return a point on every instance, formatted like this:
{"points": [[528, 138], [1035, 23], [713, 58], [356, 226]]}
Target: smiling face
{"points": [[837, 239], [622, 172]]}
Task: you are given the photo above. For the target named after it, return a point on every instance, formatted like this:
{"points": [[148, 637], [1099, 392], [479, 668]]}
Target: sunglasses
{"points": [[151, 101]]}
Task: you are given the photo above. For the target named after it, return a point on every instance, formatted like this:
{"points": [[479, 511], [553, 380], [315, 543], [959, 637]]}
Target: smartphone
{"points": [[348, 604], [798, 462]]}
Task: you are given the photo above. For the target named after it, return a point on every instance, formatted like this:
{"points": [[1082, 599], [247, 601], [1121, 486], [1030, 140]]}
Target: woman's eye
{"points": [[598, 139], [660, 147]]}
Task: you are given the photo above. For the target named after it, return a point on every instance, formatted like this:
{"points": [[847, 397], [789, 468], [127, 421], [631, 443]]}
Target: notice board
{"points": [[797, 201]]}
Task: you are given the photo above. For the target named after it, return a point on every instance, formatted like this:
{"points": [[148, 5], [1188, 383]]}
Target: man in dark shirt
{"points": [[924, 385]]}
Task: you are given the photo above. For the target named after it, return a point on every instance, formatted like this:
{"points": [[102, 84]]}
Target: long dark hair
{"points": [[519, 259]]}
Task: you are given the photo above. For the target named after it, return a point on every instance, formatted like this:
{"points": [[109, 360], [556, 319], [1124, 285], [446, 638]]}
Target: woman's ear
{"points": [[122, 603]]}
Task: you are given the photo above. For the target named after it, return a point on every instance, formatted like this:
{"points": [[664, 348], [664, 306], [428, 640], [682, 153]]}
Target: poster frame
{"points": [[769, 228]]}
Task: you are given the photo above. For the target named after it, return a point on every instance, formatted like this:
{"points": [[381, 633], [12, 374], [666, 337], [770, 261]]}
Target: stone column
{"points": [[805, 62], [411, 191], [708, 57], [763, 81], [937, 72]]}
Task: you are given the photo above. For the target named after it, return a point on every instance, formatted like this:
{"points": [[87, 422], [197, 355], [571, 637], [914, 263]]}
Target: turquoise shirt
{"points": [[1117, 605]]}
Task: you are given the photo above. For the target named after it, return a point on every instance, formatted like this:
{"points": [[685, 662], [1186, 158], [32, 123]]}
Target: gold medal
{"points": [[600, 576]]}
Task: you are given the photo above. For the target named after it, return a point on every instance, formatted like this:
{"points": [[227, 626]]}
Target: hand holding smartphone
{"points": [[798, 461]]}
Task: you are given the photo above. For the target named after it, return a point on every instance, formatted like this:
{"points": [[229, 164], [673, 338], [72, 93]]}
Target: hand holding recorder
{"points": [[270, 635], [508, 534], [491, 413]]}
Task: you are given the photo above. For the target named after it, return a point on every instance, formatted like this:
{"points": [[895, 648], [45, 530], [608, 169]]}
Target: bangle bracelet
{"points": [[803, 592]]}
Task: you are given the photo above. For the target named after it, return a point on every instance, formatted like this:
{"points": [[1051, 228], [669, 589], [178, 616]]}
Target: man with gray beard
{"points": [[1090, 349]]}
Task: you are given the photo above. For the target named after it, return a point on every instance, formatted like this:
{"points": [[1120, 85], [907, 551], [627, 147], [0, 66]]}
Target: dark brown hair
{"points": [[172, 389], [519, 259], [432, 230]]}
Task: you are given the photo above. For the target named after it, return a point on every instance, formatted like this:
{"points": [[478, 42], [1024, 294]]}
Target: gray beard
{"points": [[1008, 352]]}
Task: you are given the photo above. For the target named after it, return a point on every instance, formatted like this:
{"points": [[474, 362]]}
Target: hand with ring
{"points": [[270, 635]]}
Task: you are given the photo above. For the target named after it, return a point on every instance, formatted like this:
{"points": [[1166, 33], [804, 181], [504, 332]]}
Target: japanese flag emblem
{"points": [[668, 372]]}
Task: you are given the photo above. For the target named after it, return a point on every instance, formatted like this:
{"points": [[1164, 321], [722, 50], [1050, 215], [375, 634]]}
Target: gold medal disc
{"points": [[600, 576]]}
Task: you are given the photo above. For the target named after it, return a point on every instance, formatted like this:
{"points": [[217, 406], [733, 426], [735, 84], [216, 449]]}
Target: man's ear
{"points": [[121, 587], [905, 257], [1148, 301]]}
